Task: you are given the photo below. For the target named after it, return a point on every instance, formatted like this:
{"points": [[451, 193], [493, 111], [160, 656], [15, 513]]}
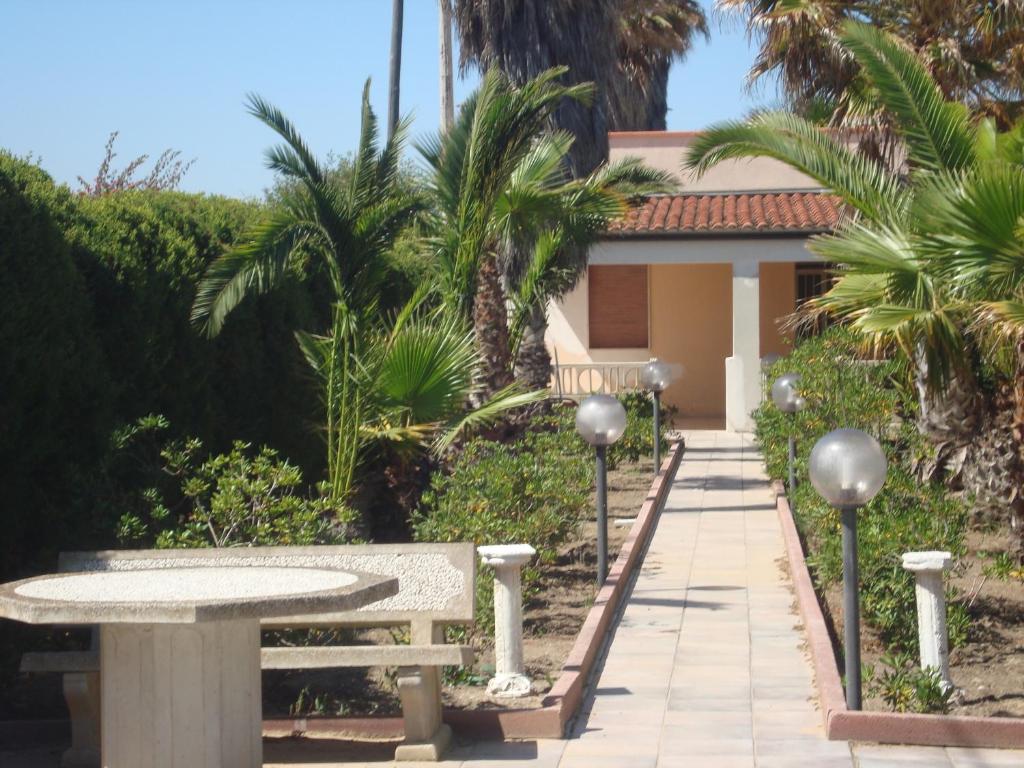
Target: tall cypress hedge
{"points": [[94, 332]]}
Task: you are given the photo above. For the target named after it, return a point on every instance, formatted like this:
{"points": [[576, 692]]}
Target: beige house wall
{"points": [[778, 300], [691, 324], [666, 150], [690, 311]]}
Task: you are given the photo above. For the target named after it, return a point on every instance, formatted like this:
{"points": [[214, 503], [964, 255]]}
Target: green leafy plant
{"points": [[531, 490], [842, 390], [905, 687], [244, 497]]}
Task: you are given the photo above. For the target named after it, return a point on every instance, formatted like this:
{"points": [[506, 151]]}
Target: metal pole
{"points": [[602, 516], [792, 469], [851, 608], [657, 432]]}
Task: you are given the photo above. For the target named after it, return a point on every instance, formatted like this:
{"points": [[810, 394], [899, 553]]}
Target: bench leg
{"points": [[82, 694], [426, 737]]}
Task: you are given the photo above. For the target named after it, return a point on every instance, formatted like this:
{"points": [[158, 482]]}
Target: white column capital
{"points": [[927, 561], [505, 555]]}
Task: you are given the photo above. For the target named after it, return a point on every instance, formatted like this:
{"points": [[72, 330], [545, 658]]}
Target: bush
{"points": [[637, 442], [533, 490], [95, 332], [239, 498], [843, 391], [56, 406]]}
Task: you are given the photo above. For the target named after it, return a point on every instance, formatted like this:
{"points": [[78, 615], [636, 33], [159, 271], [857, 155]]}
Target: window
{"points": [[812, 280], [618, 306]]}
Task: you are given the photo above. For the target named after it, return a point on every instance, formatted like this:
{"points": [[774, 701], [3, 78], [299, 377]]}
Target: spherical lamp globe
{"points": [[847, 467], [601, 419], [785, 395], [655, 376]]}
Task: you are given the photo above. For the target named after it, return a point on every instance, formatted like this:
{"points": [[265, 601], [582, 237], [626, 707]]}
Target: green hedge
{"points": [[55, 406], [95, 334], [842, 391]]}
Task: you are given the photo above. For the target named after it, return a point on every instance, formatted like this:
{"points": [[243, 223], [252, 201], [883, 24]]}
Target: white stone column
{"points": [[181, 695], [743, 367], [928, 569], [510, 678]]}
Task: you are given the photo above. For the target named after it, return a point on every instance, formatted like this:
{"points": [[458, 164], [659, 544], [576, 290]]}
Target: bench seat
{"points": [[435, 589]]}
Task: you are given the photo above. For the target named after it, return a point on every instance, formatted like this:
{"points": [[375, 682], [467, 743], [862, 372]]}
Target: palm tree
{"points": [[471, 167], [930, 256], [971, 49], [526, 38], [445, 63], [500, 187], [339, 232], [652, 34], [395, 66], [546, 223]]}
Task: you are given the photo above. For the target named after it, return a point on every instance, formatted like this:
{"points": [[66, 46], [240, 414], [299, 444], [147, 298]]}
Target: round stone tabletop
{"points": [[189, 594]]}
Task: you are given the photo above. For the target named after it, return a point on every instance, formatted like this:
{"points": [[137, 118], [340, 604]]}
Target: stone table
{"points": [[180, 650]]}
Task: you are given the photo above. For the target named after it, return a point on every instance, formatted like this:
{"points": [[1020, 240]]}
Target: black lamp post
{"points": [[848, 467], [788, 400], [655, 378], [601, 420]]}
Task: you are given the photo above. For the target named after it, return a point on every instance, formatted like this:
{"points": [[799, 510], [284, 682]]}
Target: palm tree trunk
{"points": [[395, 72], [533, 364], [949, 419], [490, 325], [447, 94]]}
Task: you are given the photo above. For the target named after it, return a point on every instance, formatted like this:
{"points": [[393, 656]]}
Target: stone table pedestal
{"points": [[510, 680], [180, 650], [929, 569]]}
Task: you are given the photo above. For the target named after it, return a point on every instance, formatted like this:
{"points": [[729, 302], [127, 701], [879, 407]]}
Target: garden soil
{"points": [[989, 669]]}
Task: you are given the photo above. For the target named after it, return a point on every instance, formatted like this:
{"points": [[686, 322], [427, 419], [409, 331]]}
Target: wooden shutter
{"points": [[618, 306]]}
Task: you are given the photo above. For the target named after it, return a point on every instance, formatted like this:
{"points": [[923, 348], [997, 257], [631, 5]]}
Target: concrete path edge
{"points": [[842, 724]]}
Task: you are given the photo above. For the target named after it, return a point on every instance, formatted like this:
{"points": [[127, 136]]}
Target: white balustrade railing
{"points": [[577, 380]]}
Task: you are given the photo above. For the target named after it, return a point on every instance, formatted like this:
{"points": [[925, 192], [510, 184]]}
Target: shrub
{"points": [[842, 391], [239, 498], [55, 402], [637, 441], [533, 490]]}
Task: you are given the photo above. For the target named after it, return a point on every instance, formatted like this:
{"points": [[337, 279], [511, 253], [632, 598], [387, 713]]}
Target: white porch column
{"points": [[743, 368]]}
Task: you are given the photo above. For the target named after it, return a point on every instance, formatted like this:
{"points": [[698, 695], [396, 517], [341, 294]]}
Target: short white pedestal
{"points": [[928, 569], [510, 680], [181, 695]]}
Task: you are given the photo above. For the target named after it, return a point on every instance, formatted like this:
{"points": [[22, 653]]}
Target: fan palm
{"points": [[931, 257], [652, 34], [974, 51], [340, 232]]}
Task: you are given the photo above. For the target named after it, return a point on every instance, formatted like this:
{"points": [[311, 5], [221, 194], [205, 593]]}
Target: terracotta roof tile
{"points": [[749, 213]]}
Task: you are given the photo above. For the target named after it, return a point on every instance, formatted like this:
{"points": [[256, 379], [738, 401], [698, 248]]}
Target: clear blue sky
{"points": [[174, 74]]}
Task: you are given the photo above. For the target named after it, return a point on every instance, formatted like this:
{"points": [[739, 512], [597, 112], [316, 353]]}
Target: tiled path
{"points": [[706, 668]]}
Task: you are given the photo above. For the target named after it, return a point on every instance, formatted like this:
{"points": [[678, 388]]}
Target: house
{"points": [[700, 278]]}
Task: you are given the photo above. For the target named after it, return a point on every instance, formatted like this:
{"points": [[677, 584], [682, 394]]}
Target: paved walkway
{"points": [[707, 668]]}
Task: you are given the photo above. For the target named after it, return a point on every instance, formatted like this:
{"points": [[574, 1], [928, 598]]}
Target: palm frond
{"points": [[495, 408], [256, 266], [938, 133], [862, 183], [305, 164]]}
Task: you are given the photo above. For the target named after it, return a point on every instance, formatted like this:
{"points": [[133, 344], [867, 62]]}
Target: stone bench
{"points": [[435, 590]]}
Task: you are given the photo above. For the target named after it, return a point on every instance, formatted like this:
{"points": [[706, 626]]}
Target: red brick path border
{"points": [[563, 700], [842, 724]]}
